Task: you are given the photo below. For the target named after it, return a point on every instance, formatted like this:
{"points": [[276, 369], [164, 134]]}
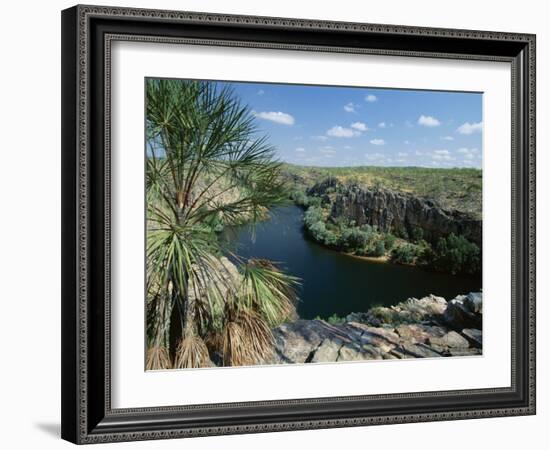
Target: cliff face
{"points": [[389, 211]]}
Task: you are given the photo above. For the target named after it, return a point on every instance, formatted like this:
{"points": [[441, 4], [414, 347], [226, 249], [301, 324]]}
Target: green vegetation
{"points": [[207, 167], [458, 188], [344, 235], [451, 254], [335, 319]]}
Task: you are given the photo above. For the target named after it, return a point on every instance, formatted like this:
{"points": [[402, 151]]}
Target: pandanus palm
{"points": [[207, 164]]}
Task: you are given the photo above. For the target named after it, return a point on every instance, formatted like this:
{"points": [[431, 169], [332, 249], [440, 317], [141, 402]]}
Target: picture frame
{"points": [[87, 35]]}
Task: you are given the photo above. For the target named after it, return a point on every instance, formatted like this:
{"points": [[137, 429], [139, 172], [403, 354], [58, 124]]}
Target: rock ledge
{"points": [[429, 327]]}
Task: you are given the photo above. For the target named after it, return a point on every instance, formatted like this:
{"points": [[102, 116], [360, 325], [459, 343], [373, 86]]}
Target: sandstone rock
{"points": [[412, 333], [408, 350], [356, 353], [474, 302], [438, 331], [389, 210], [474, 336], [452, 339], [296, 341], [464, 351], [460, 312], [327, 351]]}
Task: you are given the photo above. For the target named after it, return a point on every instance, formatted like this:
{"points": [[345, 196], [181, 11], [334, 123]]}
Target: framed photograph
{"points": [[280, 224]]}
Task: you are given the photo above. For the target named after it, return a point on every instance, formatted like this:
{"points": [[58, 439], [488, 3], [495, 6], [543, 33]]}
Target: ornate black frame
{"points": [[87, 31]]}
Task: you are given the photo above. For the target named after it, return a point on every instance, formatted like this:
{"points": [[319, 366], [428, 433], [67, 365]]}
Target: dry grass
{"points": [[247, 340], [214, 342], [158, 359], [192, 353]]}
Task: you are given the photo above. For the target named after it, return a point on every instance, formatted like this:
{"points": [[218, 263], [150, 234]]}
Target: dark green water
{"points": [[333, 282]]}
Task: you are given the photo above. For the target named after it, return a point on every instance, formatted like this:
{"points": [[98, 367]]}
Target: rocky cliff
{"points": [[391, 211], [429, 327]]}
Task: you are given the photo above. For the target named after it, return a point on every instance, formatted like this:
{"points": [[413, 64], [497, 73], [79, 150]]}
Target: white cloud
{"points": [[360, 126], [277, 117], [377, 141], [402, 154], [319, 138], [448, 138], [338, 131], [327, 150], [406, 142], [382, 125], [468, 153], [442, 155], [350, 107], [300, 149], [418, 153], [374, 156], [348, 147], [470, 128], [371, 98], [428, 121]]}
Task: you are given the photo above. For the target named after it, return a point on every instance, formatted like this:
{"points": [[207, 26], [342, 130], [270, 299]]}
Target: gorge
{"points": [[334, 283]]}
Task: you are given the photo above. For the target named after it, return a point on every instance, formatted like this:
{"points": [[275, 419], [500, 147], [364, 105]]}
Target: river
{"points": [[332, 282]]}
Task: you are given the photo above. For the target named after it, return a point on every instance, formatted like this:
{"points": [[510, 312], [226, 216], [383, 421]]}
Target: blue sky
{"points": [[337, 126]]}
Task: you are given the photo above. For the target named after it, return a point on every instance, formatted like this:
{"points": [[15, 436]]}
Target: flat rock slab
{"points": [[473, 335], [328, 351], [439, 328], [451, 340]]}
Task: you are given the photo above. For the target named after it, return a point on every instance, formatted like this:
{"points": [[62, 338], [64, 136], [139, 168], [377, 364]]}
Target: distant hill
{"points": [[459, 188]]}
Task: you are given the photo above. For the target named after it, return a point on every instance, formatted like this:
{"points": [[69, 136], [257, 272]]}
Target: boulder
{"points": [[474, 302], [464, 312], [474, 336], [440, 328], [408, 350], [327, 352], [450, 340], [296, 341], [356, 353]]}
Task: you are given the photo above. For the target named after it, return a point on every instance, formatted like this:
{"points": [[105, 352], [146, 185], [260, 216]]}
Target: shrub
{"points": [[318, 230], [336, 320], [330, 239], [379, 248], [401, 231], [313, 215], [456, 254], [389, 241], [354, 238], [417, 234], [300, 198], [404, 254]]}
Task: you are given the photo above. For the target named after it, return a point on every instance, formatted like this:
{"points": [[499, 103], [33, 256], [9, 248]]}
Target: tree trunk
{"points": [[162, 310]]}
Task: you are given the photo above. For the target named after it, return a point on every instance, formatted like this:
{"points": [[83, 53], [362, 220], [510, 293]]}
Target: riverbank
{"points": [[331, 281], [403, 228], [430, 327]]}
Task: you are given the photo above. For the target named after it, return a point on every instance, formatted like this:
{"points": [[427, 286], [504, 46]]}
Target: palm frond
{"points": [[192, 353], [247, 340], [158, 358], [268, 290]]}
